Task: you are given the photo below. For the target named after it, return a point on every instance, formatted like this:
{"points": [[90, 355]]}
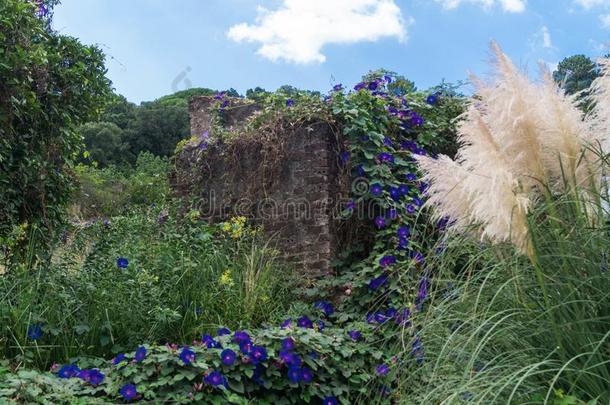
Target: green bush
{"points": [[50, 85], [114, 191], [339, 366], [183, 277]]}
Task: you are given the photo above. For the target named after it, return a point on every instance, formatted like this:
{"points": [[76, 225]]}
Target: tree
{"points": [[50, 85], [105, 144], [576, 73]]}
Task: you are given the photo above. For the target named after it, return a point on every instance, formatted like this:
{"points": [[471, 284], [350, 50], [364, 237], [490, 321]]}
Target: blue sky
{"points": [[155, 47]]}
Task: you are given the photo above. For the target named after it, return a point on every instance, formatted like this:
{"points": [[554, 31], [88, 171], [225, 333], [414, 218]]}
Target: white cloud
{"points": [[592, 3], [546, 37], [512, 6], [605, 18], [299, 29]]}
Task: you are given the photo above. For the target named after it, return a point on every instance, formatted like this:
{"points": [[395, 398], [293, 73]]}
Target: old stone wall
{"points": [[291, 185]]}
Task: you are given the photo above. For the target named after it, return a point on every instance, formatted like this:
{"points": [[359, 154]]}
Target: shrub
{"points": [[145, 277]]}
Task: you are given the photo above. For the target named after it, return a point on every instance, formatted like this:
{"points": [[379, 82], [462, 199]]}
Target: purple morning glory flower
{"points": [[289, 358], [380, 317], [140, 354], [286, 324], [96, 377], [321, 324], [376, 190], [385, 157], [224, 104], [118, 359], [403, 189], [128, 392], [375, 283], [382, 369], [403, 317], [228, 357], [294, 374], [187, 356], [35, 331], [258, 354], [360, 86], [373, 85], [410, 208], [245, 346], [423, 187], [122, 263], [387, 261], [289, 102], [403, 232], [360, 170], [411, 177], [288, 343], [432, 99], [355, 335], [306, 375], [418, 257], [351, 205], [345, 157], [215, 378], [210, 343], [330, 401], [305, 322], [416, 119], [219, 96], [395, 193], [418, 202], [338, 87], [241, 336], [422, 292], [380, 222], [68, 371], [388, 79], [325, 307], [223, 331], [392, 213], [387, 141], [403, 243]]}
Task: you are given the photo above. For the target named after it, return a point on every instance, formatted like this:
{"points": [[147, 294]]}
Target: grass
{"points": [[184, 278]]}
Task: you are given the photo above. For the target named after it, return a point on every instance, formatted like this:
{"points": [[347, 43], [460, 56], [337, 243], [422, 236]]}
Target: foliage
{"points": [[490, 334], [175, 278], [111, 191], [50, 84], [104, 143], [576, 73], [339, 367]]}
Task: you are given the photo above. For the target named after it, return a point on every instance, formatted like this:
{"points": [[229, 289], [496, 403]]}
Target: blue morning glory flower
{"points": [[376, 190], [387, 261], [418, 202], [325, 307], [305, 322], [294, 374], [360, 86], [306, 375], [403, 189], [403, 317], [330, 401], [122, 263], [395, 193], [215, 378], [411, 177], [418, 257], [385, 157], [345, 157], [241, 336], [35, 331], [118, 359], [313, 355], [228, 357], [286, 324], [382, 369], [258, 354], [373, 85], [403, 232], [320, 324], [375, 283], [388, 79], [351, 205], [68, 371], [422, 292], [338, 87], [187, 356], [387, 141], [380, 222], [223, 331], [410, 208], [289, 358], [432, 99], [128, 392], [210, 343], [360, 170], [96, 377], [355, 335], [140, 354], [288, 343], [289, 102], [392, 214], [245, 346]]}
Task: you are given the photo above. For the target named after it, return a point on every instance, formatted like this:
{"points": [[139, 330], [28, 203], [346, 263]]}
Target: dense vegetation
{"points": [[479, 273]]}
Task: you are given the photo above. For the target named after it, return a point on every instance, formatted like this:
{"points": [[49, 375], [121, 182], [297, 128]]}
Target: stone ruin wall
{"points": [[296, 203]]}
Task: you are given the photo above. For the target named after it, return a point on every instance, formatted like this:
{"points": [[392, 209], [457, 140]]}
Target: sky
{"points": [[157, 47]]}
